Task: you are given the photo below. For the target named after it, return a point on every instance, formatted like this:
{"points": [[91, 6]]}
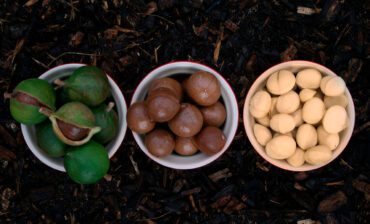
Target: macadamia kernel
{"points": [[306, 136], [332, 85], [306, 94], [262, 134], [273, 109], [313, 111], [280, 82], [340, 100], [335, 119], [318, 155], [288, 102], [325, 138], [265, 121], [281, 147], [297, 116], [308, 78], [282, 123], [297, 159], [260, 104]]}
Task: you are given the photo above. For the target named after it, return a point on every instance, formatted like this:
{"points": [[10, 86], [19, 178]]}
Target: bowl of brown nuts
{"points": [[299, 115], [183, 115]]}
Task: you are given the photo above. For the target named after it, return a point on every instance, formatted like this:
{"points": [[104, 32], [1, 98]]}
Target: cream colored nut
{"points": [[297, 116], [273, 109], [335, 119], [313, 111], [288, 102], [280, 82], [325, 138], [306, 94], [260, 104], [297, 159], [332, 85], [281, 147], [318, 155], [265, 121], [282, 123], [306, 136], [287, 134], [340, 100], [262, 134], [309, 78]]}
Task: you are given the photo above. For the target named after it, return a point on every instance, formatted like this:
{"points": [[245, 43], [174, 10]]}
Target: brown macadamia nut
{"points": [[138, 119]]}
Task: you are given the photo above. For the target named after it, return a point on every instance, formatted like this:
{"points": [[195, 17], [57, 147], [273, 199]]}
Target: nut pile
{"points": [[79, 124], [184, 123], [299, 118]]}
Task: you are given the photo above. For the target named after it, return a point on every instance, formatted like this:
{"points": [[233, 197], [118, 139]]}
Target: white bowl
{"points": [[62, 71], [227, 94], [260, 82]]}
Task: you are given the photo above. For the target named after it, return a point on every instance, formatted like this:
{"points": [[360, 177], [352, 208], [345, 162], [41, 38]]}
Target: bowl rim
{"points": [[234, 121], [249, 131], [114, 145]]}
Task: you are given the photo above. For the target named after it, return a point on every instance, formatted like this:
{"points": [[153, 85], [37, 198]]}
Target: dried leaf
{"points": [[151, 8], [76, 39]]}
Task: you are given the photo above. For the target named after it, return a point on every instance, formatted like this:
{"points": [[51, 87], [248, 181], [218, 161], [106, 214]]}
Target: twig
{"points": [[40, 63], [168, 21], [72, 53], [154, 218]]}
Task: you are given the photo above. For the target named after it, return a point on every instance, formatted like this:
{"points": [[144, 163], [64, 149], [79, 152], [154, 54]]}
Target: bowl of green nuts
{"points": [[73, 119]]}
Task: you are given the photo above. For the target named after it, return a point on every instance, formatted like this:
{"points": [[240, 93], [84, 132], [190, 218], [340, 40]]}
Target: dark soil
{"points": [[240, 39]]}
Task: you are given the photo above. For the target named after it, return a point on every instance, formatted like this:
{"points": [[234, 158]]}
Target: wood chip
{"points": [[361, 186], [221, 174], [7, 138], [30, 3], [216, 52], [151, 8], [332, 202], [307, 11], [76, 39], [6, 154]]}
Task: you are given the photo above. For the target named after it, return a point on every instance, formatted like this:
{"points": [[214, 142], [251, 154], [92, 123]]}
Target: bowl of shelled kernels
{"points": [[183, 115], [299, 115]]}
